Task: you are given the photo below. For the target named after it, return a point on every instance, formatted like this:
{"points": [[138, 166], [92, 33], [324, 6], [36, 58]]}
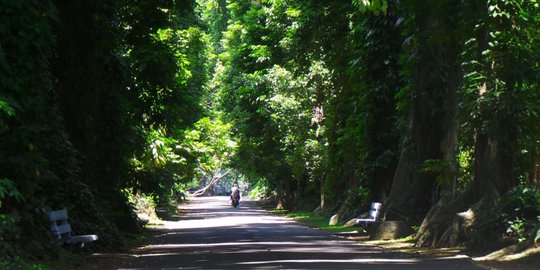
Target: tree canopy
{"points": [[430, 107]]}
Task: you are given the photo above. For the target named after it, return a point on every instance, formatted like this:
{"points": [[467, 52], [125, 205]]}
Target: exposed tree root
{"points": [[510, 252], [448, 225]]}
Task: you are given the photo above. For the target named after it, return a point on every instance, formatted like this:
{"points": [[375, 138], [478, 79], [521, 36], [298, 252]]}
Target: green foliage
{"points": [[260, 190], [362, 117], [6, 109], [363, 195], [444, 169], [21, 264], [102, 101], [520, 212], [210, 144], [168, 62], [375, 6], [515, 217], [89, 104], [8, 230], [8, 189], [8, 223], [26, 49], [143, 205], [501, 89]]}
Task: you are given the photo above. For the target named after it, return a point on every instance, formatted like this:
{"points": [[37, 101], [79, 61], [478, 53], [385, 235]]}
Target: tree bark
{"points": [[321, 206], [400, 204], [285, 195], [431, 123], [447, 223]]}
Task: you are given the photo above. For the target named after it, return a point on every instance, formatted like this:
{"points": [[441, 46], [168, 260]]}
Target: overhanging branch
{"points": [[213, 181]]}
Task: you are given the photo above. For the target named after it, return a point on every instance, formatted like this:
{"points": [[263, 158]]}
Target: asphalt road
{"points": [[213, 235]]}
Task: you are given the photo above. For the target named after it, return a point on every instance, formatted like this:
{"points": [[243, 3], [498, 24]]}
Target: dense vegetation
{"points": [[431, 107]]}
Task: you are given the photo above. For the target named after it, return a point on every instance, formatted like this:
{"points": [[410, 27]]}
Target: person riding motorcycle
{"points": [[235, 194]]}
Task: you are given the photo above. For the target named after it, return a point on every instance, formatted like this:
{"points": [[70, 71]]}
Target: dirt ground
{"points": [[527, 260]]}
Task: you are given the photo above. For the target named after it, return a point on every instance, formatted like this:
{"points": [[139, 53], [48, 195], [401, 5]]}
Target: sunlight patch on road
{"points": [[231, 221], [368, 261], [241, 244]]}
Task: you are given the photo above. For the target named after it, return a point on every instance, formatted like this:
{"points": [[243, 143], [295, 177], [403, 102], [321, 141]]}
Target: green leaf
{"points": [[6, 108]]}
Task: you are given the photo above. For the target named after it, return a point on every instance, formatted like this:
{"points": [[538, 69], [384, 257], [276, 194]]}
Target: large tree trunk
{"points": [[430, 121], [285, 194], [448, 223], [442, 224], [401, 204], [280, 197]]}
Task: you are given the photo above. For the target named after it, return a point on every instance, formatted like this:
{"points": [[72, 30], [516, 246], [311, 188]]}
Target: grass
{"points": [[316, 221]]}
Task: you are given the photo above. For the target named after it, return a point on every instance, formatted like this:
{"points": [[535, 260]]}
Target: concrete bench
{"points": [[62, 230]]}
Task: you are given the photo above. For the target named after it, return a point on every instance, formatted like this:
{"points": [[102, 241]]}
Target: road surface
{"points": [[213, 235]]}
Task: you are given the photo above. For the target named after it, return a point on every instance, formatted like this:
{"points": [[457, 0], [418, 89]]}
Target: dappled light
{"points": [[118, 111], [213, 235]]}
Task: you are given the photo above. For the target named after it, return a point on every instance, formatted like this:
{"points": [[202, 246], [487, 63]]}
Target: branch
{"points": [[213, 181]]}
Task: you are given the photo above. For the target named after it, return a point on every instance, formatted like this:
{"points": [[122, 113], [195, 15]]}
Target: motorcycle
{"points": [[235, 200]]}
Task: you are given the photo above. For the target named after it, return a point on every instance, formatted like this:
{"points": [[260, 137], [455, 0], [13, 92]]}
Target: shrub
{"points": [[520, 212], [515, 217]]}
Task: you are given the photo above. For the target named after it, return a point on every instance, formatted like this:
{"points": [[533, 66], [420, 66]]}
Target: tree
{"points": [[431, 129], [168, 64], [501, 95]]}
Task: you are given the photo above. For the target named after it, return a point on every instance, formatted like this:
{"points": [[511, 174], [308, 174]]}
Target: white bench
{"points": [[374, 213], [62, 230]]}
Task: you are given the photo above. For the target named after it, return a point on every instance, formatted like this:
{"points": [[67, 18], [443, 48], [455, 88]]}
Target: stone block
{"points": [[387, 230], [334, 220]]}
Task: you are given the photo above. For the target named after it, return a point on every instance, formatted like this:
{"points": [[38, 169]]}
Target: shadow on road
{"points": [[213, 235]]}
